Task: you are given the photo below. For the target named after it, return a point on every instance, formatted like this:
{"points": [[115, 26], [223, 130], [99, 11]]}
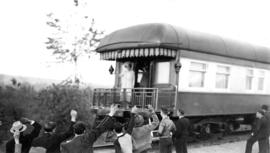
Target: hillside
{"points": [[38, 83]]}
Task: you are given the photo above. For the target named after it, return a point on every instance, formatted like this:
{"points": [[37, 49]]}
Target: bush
{"points": [[51, 104], [57, 101], [13, 105]]}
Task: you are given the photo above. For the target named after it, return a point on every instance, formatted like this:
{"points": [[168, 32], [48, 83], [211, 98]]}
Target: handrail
{"points": [[136, 96]]}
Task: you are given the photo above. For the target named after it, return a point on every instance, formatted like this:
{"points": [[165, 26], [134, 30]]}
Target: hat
{"points": [[139, 120], [18, 126], [49, 126], [264, 107]]}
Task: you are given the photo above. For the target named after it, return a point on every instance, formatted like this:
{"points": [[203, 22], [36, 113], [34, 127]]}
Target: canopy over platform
{"points": [[158, 39]]}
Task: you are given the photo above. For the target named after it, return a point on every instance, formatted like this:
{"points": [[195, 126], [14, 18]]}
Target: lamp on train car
{"points": [[111, 69], [177, 66]]}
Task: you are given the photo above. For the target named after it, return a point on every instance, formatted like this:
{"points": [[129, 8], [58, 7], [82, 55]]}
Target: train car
{"points": [[218, 82]]}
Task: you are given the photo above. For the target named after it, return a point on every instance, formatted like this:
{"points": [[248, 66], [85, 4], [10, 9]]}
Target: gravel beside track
{"points": [[229, 144]]}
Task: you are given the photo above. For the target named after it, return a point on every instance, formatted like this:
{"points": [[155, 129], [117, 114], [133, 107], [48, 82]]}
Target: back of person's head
{"points": [[79, 127], [164, 110], [181, 112], [264, 107], [49, 126], [118, 127], [139, 120]]}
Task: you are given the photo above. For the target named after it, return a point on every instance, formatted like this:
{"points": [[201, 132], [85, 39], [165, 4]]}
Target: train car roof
{"points": [[157, 35]]}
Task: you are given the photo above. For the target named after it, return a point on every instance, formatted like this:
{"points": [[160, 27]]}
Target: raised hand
{"points": [[73, 115], [114, 108], [134, 109], [16, 136]]}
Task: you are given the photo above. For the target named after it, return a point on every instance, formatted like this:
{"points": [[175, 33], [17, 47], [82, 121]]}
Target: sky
{"points": [[23, 29]]}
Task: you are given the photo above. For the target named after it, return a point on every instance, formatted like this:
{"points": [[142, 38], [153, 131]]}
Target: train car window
{"points": [[249, 79], [261, 80], [197, 74], [222, 77], [162, 72]]}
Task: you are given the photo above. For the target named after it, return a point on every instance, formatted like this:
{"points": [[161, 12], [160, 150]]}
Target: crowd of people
{"points": [[135, 137]]}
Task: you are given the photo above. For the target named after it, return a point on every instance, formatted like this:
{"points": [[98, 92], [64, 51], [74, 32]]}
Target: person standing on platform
{"points": [[166, 130], [260, 134], [127, 81], [182, 132]]}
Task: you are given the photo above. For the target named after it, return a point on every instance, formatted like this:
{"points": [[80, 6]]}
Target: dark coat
{"points": [[84, 143], [267, 116], [182, 128], [260, 134], [181, 134], [261, 128], [25, 140], [51, 141]]}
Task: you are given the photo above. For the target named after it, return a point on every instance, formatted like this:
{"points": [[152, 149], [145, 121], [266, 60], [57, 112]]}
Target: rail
{"points": [[104, 97]]}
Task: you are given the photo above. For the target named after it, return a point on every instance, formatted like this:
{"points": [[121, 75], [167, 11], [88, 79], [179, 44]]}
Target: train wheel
{"points": [[205, 131], [230, 127]]}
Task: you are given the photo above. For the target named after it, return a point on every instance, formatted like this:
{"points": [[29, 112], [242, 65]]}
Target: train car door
{"points": [[142, 74], [164, 79]]}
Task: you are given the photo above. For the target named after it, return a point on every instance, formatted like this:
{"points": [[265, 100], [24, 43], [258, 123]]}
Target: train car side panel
{"points": [[204, 104]]}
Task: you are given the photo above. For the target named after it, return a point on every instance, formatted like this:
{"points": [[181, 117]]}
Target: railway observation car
{"points": [[218, 82]]}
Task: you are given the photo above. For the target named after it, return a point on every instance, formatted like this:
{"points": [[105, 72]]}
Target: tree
{"points": [[72, 38]]}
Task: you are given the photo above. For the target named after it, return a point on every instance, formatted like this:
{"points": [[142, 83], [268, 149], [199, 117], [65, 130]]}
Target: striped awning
{"points": [[139, 52]]}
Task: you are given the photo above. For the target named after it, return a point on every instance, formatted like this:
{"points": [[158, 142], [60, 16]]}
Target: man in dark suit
{"points": [[264, 108], [24, 139], [83, 141], [182, 132], [50, 140], [260, 134]]}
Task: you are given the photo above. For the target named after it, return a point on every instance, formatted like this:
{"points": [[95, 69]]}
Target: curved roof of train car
{"points": [[168, 36]]}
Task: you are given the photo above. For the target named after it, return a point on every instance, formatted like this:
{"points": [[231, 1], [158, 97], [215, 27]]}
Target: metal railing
{"points": [[104, 97]]}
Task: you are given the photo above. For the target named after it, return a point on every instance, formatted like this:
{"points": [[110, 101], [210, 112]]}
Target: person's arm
{"points": [[131, 122], [161, 128], [105, 124], [178, 129], [257, 127], [155, 121], [69, 132], [18, 146], [35, 131], [173, 128]]}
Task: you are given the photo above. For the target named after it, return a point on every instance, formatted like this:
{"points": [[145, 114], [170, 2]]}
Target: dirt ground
{"points": [[234, 147]]}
